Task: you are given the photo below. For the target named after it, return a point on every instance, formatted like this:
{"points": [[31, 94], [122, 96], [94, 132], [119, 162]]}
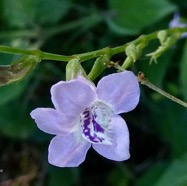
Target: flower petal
{"points": [[53, 122], [73, 97], [120, 90], [67, 151], [119, 150]]}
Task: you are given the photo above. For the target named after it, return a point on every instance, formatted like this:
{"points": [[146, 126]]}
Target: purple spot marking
{"points": [[97, 127], [89, 119]]}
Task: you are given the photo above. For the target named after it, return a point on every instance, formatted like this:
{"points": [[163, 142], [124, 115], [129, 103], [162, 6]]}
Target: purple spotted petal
{"points": [[68, 151], [120, 90], [53, 122], [72, 97], [119, 150]]}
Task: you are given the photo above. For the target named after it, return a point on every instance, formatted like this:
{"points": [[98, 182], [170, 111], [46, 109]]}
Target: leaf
{"points": [[176, 173], [183, 72], [131, 16], [65, 177], [118, 177], [171, 121], [15, 121], [152, 174], [49, 12], [21, 13], [12, 91]]}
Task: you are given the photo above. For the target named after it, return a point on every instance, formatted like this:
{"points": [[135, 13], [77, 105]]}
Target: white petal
{"points": [[53, 122], [67, 151], [119, 150], [120, 90], [73, 97]]}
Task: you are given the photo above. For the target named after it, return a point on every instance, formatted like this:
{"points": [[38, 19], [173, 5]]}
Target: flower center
{"points": [[95, 123]]}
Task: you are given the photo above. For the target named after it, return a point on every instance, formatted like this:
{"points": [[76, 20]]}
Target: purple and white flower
{"points": [[86, 116], [176, 22]]}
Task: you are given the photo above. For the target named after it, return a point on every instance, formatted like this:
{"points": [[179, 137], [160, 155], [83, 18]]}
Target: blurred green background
{"points": [[158, 127]]}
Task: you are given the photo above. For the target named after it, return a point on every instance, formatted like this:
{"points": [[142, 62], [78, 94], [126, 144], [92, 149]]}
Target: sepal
{"points": [[74, 69]]}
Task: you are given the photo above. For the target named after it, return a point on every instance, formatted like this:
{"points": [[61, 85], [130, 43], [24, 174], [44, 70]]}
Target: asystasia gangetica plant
{"points": [[84, 114]]}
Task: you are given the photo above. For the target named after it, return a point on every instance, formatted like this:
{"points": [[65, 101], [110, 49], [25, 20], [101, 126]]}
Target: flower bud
{"points": [[99, 66], [74, 69], [131, 52], [162, 36]]}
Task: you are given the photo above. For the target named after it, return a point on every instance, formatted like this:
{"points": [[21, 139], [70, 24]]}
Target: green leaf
{"points": [[119, 177], [131, 16], [152, 174], [176, 173], [65, 177], [12, 91], [171, 121], [183, 72], [49, 12], [15, 121], [21, 13]]}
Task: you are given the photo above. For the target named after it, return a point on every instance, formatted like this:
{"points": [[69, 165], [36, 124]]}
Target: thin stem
{"points": [[21, 33], [88, 55], [38, 53], [146, 82]]}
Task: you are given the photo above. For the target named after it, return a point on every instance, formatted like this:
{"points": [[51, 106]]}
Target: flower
{"points": [[86, 116], [176, 22]]}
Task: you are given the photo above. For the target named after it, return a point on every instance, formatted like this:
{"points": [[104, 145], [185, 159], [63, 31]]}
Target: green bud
{"points": [[17, 70], [131, 52], [170, 41], [99, 66], [162, 36], [74, 69]]}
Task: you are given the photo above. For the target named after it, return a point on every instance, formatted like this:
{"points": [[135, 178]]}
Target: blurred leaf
{"points": [[48, 11], [172, 123], [183, 72], [15, 120], [176, 173], [12, 91], [181, 3], [65, 177], [131, 16], [118, 177], [21, 13], [152, 174]]}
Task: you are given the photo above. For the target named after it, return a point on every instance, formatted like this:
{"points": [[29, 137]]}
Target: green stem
{"points": [[146, 82], [38, 53], [21, 33], [88, 55]]}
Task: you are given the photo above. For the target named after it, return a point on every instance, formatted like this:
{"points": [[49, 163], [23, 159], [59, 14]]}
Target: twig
{"points": [[146, 82]]}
